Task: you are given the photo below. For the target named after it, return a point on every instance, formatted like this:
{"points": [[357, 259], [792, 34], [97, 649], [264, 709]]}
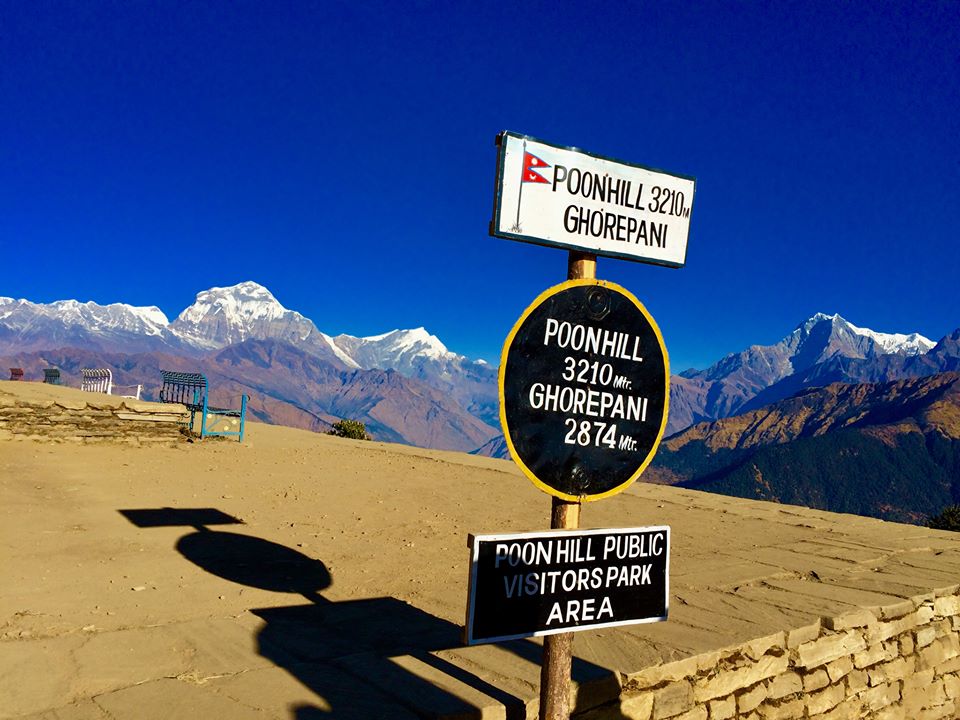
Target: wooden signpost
{"points": [[584, 394]]}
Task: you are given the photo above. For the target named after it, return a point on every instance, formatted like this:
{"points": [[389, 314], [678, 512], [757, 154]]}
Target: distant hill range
{"points": [[833, 416], [889, 450], [405, 385], [821, 350]]}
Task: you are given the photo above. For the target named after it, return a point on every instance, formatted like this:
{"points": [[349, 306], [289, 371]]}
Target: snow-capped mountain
{"points": [[292, 368], [912, 344], [418, 354], [402, 350], [27, 326], [728, 386], [220, 317], [868, 342], [224, 316], [815, 340]]}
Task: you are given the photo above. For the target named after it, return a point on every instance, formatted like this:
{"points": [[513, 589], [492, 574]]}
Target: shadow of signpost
{"points": [[345, 651]]}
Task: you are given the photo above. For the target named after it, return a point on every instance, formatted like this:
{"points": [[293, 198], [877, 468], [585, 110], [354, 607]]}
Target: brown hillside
{"points": [[289, 386], [889, 450], [919, 404]]}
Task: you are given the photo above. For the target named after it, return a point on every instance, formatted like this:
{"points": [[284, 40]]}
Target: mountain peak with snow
{"points": [[33, 326], [909, 344], [417, 339], [223, 316], [239, 303], [880, 343], [403, 350]]}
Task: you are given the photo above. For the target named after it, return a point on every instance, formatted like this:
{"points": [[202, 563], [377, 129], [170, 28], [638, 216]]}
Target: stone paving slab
{"points": [[44, 395], [430, 688], [170, 698], [306, 691], [82, 710]]}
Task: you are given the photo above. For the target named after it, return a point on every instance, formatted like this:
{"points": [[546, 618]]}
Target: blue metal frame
{"points": [[176, 385], [206, 428]]}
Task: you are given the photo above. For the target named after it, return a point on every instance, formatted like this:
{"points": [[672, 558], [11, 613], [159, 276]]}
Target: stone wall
{"points": [[899, 661], [69, 415]]}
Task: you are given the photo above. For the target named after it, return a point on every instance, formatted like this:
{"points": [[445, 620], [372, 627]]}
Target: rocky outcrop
{"points": [[67, 415], [899, 660]]}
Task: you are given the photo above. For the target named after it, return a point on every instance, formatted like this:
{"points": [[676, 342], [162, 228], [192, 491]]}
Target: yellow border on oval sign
{"points": [[541, 298]]}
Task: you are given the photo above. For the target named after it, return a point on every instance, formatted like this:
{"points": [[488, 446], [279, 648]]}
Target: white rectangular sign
{"points": [[550, 195]]}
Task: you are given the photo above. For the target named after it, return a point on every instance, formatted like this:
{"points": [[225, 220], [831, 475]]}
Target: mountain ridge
{"points": [[818, 351], [890, 450], [218, 317], [725, 387], [290, 386]]}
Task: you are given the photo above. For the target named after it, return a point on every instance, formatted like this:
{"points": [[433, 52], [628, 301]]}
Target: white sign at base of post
{"points": [[564, 197]]}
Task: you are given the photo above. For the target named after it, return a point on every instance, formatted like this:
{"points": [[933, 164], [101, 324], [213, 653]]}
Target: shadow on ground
{"points": [[367, 658]]}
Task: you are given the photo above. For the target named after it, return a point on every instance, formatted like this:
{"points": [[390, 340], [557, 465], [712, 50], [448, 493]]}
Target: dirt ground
{"points": [[304, 576]]}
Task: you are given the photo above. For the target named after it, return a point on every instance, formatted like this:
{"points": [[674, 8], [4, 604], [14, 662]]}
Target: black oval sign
{"points": [[584, 390]]}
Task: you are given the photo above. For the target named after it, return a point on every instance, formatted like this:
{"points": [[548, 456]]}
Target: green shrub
{"points": [[353, 429], [949, 519]]}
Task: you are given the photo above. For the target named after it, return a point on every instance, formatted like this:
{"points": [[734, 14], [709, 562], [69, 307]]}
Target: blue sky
{"points": [[342, 154]]}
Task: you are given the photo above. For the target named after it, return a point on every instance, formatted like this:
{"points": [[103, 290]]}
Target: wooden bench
{"points": [[51, 376], [190, 390], [97, 380], [16, 373]]}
